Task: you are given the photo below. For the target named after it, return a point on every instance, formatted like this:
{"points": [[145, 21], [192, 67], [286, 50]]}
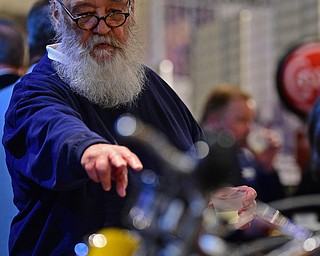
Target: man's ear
{"points": [[55, 14], [55, 11], [132, 2], [132, 11]]}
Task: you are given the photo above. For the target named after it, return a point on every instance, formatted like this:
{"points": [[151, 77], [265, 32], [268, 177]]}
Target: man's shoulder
{"points": [[42, 78], [153, 76], [43, 71], [44, 64], [156, 84]]}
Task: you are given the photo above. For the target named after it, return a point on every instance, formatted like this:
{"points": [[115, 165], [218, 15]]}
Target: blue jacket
{"points": [[47, 129], [7, 208]]}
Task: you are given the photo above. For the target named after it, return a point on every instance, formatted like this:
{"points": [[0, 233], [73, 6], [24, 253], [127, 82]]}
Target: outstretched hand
{"points": [[106, 162]]}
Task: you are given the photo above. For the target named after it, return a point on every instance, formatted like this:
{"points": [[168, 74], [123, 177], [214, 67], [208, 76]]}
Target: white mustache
{"points": [[96, 40]]}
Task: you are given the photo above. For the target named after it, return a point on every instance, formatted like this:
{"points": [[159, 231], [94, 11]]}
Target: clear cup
{"points": [[257, 139], [227, 202], [261, 138]]}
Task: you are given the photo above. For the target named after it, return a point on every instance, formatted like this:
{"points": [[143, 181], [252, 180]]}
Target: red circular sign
{"points": [[299, 78]]}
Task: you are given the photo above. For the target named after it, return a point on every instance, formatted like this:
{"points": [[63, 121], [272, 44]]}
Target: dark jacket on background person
{"points": [[8, 79], [229, 164]]}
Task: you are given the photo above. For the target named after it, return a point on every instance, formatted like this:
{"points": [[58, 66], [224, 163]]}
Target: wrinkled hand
{"points": [[248, 212], [106, 162]]}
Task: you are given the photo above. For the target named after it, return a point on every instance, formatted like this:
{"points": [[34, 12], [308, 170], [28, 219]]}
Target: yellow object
{"points": [[113, 242], [231, 216]]}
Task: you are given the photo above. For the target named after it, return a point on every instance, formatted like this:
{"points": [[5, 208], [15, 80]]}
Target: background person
{"points": [[72, 173], [311, 178], [227, 120], [12, 52], [12, 56], [39, 30]]}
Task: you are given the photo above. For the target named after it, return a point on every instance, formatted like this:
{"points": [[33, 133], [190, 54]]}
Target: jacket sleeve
{"points": [[45, 134]]}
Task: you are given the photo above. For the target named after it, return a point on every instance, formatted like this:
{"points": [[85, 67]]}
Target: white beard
{"points": [[103, 80]]}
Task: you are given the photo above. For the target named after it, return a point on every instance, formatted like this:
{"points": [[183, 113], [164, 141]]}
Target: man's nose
{"points": [[102, 28]]}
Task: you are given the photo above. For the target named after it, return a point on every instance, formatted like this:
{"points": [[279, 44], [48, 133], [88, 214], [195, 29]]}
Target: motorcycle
{"points": [[171, 217]]}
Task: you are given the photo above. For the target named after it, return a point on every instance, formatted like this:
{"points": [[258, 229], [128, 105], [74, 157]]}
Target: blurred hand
{"points": [[273, 145], [265, 145], [106, 162], [248, 212]]}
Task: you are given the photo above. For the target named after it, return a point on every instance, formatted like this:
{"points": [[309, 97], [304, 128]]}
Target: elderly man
{"points": [[70, 172]]}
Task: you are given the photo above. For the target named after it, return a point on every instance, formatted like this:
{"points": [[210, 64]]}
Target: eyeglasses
{"points": [[90, 22]]}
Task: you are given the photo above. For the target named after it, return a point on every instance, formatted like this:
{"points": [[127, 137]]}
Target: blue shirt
{"points": [[47, 129], [7, 209]]}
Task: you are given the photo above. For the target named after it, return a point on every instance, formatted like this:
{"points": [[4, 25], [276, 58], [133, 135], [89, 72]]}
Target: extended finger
{"points": [[89, 167], [250, 196], [121, 181], [117, 159], [130, 158], [133, 161], [103, 170]]}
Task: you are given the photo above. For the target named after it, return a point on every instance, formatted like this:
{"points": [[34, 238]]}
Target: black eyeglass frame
{"points": [[77, 18]]}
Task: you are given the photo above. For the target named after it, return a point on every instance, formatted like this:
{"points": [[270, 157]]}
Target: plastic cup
{"points": [[227, 202]]}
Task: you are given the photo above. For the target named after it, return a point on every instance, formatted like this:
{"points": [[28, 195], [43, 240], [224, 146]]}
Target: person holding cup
{"points": [[241, 153]]}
